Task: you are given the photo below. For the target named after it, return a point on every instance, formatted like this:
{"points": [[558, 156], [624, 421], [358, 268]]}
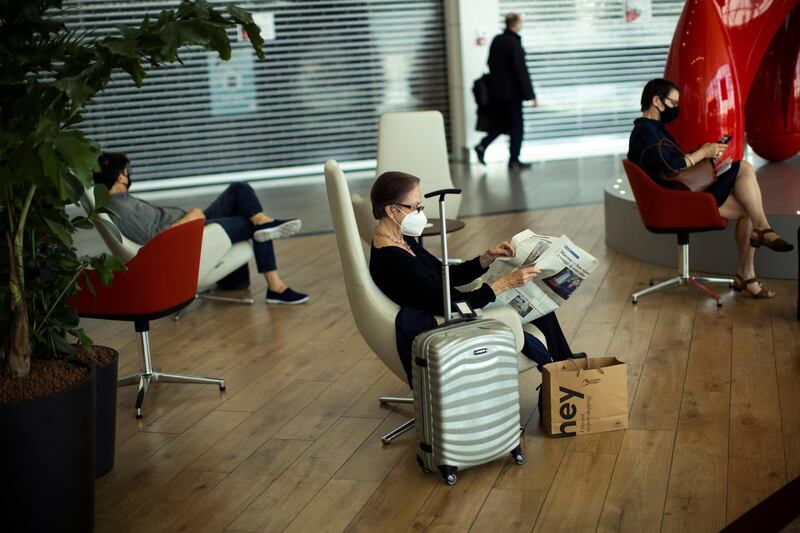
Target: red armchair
{"points": [[160, 279], [675, 211]]}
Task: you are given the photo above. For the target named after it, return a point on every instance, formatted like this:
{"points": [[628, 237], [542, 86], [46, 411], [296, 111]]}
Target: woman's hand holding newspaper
{"points": [[517, 278], [504, 249]]}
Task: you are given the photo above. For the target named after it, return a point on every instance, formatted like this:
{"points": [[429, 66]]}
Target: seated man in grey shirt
{"points": [[237, 210]]}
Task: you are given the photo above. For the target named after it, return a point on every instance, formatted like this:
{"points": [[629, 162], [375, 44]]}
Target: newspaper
{"points": [[563, 267]]}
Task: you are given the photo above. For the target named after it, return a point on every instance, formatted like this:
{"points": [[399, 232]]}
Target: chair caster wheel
{"points": [[382, 403], [634, 301], [719, 303], [451, 479], [222, 388], [652, 282], [520, 458], [138, 415]]}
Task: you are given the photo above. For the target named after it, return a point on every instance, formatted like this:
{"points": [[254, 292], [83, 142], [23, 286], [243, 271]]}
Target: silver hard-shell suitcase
{"points": [[466, 389]]}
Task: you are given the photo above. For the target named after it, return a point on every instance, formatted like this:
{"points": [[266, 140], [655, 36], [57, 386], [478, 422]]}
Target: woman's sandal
{"points": [[778, 244], [740, 285]]}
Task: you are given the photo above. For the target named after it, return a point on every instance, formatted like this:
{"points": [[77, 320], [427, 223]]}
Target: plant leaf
{"points": [[84, 340], [101, 197], [125, 47], [60, 231], [79, 154], [87, 283], [82, 223], [76, 89]]}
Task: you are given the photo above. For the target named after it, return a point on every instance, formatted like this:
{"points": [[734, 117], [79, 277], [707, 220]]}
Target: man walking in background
{"points": [[509, 86]]}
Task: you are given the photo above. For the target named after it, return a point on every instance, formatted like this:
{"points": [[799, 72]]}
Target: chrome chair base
{"points": [[403, 428], [206, 295], [695, 282], [147, 374], [144, 380], [684, 278]]}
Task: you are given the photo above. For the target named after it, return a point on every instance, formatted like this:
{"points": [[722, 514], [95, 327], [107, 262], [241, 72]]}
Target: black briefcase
{"points": [[480, 90]]}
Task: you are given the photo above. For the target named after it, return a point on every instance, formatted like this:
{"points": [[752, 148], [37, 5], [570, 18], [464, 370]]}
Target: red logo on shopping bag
{"points": [[586, 382]]}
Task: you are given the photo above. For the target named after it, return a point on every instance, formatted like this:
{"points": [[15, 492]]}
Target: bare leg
{"points": [[260, 218], [733, 210], [274, 281], [747, 253], [748, 193]]}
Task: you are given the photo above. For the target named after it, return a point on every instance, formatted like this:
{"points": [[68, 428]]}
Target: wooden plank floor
{"points": [[294, 443]]}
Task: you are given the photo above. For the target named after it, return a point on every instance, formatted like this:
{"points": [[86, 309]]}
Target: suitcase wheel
{"points": [[518, 455], [449, 474], [422, 465]]}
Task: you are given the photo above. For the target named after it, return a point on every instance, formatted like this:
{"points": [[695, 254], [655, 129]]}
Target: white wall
{"points": [[465, 22]]}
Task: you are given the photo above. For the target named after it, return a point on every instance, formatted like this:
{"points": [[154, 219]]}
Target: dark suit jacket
{"points": [[508, 74]]}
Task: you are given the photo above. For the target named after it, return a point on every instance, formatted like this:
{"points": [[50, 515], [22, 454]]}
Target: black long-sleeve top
{"points": [[642, 149], [416, 280]]}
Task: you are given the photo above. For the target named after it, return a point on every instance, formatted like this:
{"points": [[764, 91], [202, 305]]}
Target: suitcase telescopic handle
{"points": [[441, 193]]}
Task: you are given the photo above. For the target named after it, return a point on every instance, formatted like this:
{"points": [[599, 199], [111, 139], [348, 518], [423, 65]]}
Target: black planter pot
{"points": [[47, 461], [106, 416]]}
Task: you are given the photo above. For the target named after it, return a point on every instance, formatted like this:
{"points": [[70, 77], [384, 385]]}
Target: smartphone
{"points": [[725, 139]]}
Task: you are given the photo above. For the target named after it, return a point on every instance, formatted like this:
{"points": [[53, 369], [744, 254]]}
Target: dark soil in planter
{"points": [[102, 356], [47, 376]]}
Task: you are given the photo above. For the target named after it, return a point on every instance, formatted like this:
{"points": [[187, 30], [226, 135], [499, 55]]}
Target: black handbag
{"points": [[480, 90]]}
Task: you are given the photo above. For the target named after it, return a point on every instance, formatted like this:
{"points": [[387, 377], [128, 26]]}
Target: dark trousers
{"points": [[232, 210], [557, 345], [506, 118]]}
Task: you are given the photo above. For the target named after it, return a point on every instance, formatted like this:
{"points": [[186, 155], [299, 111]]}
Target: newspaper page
{"points": [[563, 265]]}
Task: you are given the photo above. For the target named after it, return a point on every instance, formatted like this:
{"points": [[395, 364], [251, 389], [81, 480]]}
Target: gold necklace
{"points": [[394, 239]]}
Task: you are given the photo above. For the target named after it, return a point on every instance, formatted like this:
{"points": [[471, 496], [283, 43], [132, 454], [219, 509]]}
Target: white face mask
{"points": [[413, 224]]}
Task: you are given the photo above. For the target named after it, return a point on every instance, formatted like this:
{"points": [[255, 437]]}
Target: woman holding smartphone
{"points": [[735, 190]]}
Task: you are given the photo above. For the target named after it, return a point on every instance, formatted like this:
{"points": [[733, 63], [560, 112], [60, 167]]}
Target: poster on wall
{"points": [[637, 11], [232, 83]]}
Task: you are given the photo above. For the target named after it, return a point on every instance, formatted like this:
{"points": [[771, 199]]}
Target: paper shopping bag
{"points": [[584, 396]]}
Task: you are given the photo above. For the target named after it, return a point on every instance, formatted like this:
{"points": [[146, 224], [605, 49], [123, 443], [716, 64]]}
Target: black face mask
{"points": [[669, 114], [130, 181]]}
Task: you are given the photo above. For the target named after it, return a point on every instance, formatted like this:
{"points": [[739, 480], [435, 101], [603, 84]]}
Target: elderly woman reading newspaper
{"points": [[411, 277]]}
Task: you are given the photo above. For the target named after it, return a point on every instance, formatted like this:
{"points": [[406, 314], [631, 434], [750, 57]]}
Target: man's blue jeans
{"points": [[232, 210]]}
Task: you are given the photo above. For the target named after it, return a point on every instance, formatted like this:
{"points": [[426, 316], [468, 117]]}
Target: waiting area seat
{"points": [[218, 258], [147, 291], [681, 212], [412, 142], [373, 311]]}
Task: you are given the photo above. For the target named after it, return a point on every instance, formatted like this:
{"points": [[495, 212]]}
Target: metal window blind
{"points": [[332, 69], [589, 64]]}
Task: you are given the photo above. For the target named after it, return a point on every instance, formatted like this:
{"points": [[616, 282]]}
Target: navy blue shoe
{"points": [[277, 229], [287, 297]]}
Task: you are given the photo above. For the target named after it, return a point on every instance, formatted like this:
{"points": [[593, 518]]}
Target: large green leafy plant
{"points": [[47, 75]]}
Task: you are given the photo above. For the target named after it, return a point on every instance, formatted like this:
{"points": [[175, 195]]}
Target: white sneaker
{"points": [[277, 229]]}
